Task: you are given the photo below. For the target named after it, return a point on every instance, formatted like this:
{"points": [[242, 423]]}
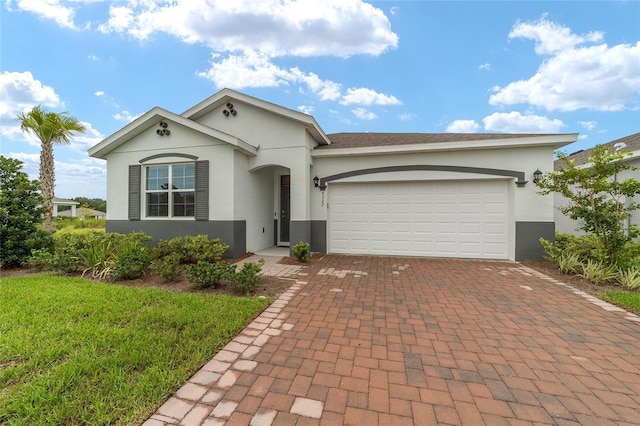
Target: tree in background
{"points": [[92, 203], [50, 128], [21, 210], [597, 198]]}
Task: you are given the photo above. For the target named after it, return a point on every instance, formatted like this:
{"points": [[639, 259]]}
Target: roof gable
{"points": [[152, 118], [224, 96]]}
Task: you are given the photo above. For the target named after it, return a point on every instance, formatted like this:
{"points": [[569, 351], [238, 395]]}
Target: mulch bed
{"points": [[272, 287], [573, 280]]}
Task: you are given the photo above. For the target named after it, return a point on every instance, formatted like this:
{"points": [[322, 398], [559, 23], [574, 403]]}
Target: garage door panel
{"points": [[446, 219]]}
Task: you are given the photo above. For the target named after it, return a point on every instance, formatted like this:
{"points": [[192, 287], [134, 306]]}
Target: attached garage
{"points": [[456, 218]]}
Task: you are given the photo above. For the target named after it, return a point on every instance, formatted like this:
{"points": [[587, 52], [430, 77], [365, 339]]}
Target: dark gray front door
{"points": [[285, 206]]}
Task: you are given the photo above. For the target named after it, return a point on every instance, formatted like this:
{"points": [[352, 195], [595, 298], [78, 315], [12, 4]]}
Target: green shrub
{"points": [[130, 260], [245, 281], [192, 248], [77, 223], [97, 260], [568, 263], [41, 259], [630, 278], [96, 252], [168, 267], [206, 274], [629, 255], [21, 210], [301, 251], [567, 244], [598, 272], [65, 262]]}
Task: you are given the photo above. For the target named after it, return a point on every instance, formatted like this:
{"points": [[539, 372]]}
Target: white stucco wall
{"points": [[182, 140], [528, 205]]}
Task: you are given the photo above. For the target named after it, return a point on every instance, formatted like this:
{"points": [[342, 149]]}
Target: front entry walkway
{"points": [[402, 341]]}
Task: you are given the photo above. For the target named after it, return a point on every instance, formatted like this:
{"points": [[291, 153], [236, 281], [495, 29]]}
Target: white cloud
{"points": [[19, 92], [463, 126], [514, 122], [275, 27], [407, 117], [550, 37], [247, 69], [80, 177], [364, 114], [82, 142], [307, 109], [595, 77], [363, 96], [84, 177], [48, 9], [589, 125], [485, 67], [394, 10], [327, 90], [93, 58], [255, 69], [125, 116]]}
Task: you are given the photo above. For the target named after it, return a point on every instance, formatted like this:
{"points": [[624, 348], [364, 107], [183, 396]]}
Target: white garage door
{"points": [[467, 219]]}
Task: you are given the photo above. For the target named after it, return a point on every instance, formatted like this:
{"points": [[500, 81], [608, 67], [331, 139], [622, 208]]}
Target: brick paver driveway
{"points": [[394, 341]]}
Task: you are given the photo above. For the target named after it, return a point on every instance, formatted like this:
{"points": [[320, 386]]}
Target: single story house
{"points": [[84, 213], [62, 202], [630, 144], [256, 174]]}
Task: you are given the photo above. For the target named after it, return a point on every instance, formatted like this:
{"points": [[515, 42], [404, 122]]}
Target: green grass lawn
{"points": [[73, 351], [625, 299]]}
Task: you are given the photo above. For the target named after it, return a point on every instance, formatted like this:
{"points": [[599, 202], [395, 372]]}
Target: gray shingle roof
{"points": [[357, 140], [632, 142]]}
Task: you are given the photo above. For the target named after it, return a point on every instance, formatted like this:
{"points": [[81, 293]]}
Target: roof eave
{"points": [[555, 141]]}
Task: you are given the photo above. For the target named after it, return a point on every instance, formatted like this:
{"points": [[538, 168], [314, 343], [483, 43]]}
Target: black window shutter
{"points": [[202, 190], [134, 191]]}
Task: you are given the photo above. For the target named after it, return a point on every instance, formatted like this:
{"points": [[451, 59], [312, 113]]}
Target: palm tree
{"points": [[50, 128]]}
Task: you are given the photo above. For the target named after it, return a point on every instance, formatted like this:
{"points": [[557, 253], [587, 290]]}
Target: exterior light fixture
{"points": [[316, 181], [537, 175]]}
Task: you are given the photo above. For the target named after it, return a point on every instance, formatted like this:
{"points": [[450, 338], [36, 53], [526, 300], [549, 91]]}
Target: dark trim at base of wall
{"points": [[299, 230], [528, 236], [231, 232], [319, 236], [310, 231]]}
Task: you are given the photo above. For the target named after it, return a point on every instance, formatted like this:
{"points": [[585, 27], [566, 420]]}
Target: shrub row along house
{"points": [[256, 174]]}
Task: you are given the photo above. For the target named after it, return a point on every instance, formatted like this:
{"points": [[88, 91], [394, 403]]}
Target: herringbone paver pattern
{"points": [[395, 341]]}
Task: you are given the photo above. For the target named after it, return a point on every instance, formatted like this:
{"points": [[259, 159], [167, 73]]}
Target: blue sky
{"points": [[356, 66]]}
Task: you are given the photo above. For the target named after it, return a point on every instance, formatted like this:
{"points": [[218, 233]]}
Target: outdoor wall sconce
{"points": [[163, 130], [229, 111], [316, 181], [537, 175]]}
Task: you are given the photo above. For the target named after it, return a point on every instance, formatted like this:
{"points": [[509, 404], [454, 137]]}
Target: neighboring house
{"points": [[631, 144], [61, 202], [256, 174], [83, 213]]}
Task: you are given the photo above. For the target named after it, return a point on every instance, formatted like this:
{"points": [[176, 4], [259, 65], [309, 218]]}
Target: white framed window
{"points": [[170, 190]]}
